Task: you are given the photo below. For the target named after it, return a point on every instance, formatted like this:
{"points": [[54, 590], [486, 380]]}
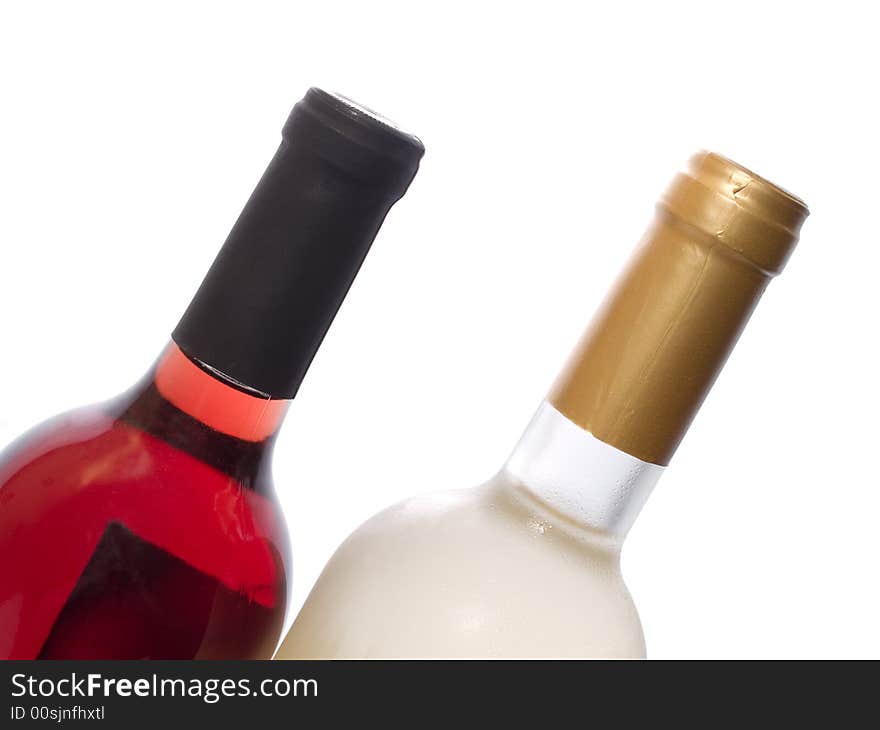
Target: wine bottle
{"points": [[148, 526], [527, 565]]}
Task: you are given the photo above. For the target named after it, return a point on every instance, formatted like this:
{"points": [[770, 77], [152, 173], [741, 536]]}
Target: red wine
{"points": [[148, 527], [120, 519]]}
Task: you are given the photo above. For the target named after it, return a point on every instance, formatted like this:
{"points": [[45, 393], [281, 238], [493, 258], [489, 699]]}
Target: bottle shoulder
{"points": [[87, 500], [500, 507], [87, 469], [72, 429], [473, 572]]}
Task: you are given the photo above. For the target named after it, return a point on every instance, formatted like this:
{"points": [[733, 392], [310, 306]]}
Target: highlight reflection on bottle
{"points": [[148, 527], [528, 564]]}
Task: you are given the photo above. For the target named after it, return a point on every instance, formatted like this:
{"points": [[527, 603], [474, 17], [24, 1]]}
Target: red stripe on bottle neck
{"points": [[215, 403]]}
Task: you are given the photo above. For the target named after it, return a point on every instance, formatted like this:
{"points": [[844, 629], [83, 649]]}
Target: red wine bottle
{"points": [[148, 526]]}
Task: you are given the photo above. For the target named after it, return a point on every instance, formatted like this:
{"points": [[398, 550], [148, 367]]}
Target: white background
{"points": [[129, 141]]}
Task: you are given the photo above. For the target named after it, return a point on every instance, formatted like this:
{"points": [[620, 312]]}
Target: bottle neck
{"points": [[271, 294], [578, 476], [221, 405], [630, 390], [208, 417], [644, 366]]}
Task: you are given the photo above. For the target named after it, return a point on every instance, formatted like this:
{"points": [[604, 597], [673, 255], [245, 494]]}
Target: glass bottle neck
{"points": [[577, 475], [650, 356], [207, 417], [271, 294], [619, 409], [209, 397]]}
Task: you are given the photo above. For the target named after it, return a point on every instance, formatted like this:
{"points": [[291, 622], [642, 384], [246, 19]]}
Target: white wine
{"points": [[527, 565], [496, 571]]}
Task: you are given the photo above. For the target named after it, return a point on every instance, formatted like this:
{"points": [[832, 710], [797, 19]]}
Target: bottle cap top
{"points": [[354, 138], [742, 210]]}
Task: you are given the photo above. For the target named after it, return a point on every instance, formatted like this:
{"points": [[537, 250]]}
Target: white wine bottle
{"points": [[527, 565]]}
